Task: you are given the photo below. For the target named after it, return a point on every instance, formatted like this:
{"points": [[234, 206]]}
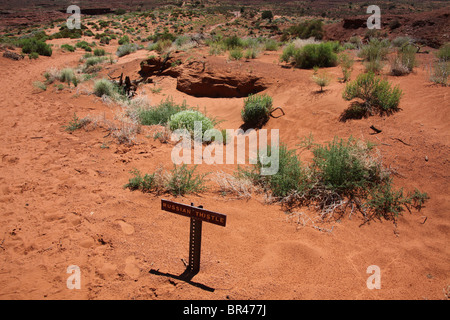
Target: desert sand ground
{"points": [[63, 203]]}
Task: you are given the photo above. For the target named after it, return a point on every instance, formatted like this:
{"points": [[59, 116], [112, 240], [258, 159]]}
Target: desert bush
{"points": [[304, 30], [83, 45], [405, 60], [186, 120], [182, 180], [440, 71], [179, 181], [104, 87], [235, 54], [374, 50], [126, 49], [257, 109], [68, 47], [66, 75], [402, 41], [376, 93], [270, 45], [443, 53], [162, 45], [161, 113], [346, 62], [233, 42], [124, 40], [251, 53], [33, 45], [99, 52], [216, 49], [322, 79], [39, 85], [320, 55]]}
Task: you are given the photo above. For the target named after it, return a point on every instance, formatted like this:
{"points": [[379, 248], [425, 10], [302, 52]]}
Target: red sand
{"points": [[62, 199]]}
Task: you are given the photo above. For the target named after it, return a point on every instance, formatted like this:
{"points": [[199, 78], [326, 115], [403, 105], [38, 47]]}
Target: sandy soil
{"points": [[63, 203]]}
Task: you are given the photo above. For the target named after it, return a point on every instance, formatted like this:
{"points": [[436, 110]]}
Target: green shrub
{"points": [[288, 53], [322, 79], [271, 45], [186, 120], [66, 75], [290, 177], [33, 55], [161, 113], [179, 181], [83, 45], [440, 72], [235, 54], [375, 50], [321, 55], [40, 85], [304, 30], [251, 53], [257, 109], [342, 166], [444, 52], [68, 47], [233, 42], [99, 52], [185, 181], [346, 62], [126, 49], [33, 45], [125, 39], [376, 93], [405, 60], [104, 87]]}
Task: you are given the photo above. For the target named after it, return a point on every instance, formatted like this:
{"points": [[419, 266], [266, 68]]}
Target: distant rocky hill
{"points": [[429, 28]]}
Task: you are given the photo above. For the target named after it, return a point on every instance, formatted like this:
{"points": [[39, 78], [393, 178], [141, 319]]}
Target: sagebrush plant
{"points": [[161, 113], [322, 79], [126, 48], [377, 94], [179, 181], [346, 62], [321, 55], [235, 54], [405, 60], [439, 72], [344, 174], [104, 87], [257, 109], [186, 120]]}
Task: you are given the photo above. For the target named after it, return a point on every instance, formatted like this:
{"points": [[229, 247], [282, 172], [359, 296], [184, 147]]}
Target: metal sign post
{"points": [[197, 215]]}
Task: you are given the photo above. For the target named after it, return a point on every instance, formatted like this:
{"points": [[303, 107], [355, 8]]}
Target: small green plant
{"points": [[346, 62], [76, 123], [376, 93], [443, 53], [99, 52], [161, 113], [40, 85], [235, 54], [104, 87], [124, 40], [322, 79], [183, 181], [257, 109], [126, 48], [440, 72], [33, 55], [68, 47], [186, 120]]}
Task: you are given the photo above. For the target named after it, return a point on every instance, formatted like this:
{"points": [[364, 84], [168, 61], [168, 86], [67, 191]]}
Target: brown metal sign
{"points": [[194, 212]]}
